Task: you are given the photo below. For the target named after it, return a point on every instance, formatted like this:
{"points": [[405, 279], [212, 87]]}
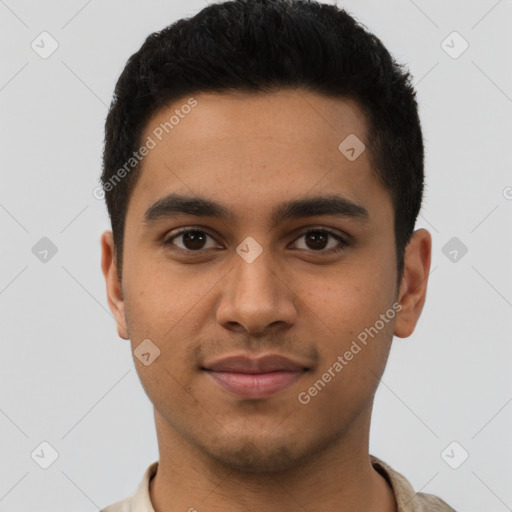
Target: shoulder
{"points": [[119, 506], [140, 501], [407, 500], [430, 503]]}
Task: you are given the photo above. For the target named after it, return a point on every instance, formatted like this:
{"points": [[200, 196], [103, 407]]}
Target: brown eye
{"points": [[192, 240], [318, 240]]}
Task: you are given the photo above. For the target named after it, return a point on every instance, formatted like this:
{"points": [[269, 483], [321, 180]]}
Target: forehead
{"points": [[249, 150]]}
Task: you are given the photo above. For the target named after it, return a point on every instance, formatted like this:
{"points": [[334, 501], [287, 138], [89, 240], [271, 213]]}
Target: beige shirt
{"points": [[407, 500]]}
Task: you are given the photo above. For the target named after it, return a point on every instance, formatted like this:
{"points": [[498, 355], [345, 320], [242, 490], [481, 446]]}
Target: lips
{"points": [[246, 364], [255, 378]]}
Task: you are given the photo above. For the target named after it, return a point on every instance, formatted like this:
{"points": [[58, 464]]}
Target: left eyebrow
{"points": [[334, 205], [175, 204]]}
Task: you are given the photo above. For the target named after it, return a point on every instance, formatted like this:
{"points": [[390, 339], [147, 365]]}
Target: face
{"points": [[291, 254]]}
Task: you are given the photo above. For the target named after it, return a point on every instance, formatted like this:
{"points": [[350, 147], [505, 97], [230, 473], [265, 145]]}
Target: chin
{"points": [[250, 458]]}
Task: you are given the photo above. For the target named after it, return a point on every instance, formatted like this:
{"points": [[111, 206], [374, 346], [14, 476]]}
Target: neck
{"points": [[339, 478]]}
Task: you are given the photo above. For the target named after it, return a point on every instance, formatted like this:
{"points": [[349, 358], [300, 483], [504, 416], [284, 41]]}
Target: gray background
{"points": [[67, 379]]}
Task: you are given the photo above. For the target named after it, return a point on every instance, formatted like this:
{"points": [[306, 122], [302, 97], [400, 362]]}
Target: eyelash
{"points": [[169, 241]]}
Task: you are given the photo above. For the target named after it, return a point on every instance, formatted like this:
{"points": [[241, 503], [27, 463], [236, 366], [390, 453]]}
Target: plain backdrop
{"points": [[68, 380]]}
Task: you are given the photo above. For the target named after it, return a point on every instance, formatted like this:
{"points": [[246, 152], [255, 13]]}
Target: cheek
{"points": [[158, 312], [352, 328], [354, 351], [168, 307], [350, 300], [156, 293]]}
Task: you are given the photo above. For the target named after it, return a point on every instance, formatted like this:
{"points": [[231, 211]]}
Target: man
{"points": [[263, 171]]}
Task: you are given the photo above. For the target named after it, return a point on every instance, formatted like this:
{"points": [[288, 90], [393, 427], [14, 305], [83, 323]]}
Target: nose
{"points": [[256, 297]]}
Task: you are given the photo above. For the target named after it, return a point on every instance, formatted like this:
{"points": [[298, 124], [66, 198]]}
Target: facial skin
{"points": [[298, 298]]}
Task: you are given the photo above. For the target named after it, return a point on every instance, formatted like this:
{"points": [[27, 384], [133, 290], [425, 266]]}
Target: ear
{"points": [[413, 288], [114, 290]]}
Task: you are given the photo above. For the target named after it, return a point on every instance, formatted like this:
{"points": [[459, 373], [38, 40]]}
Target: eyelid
{"points": [[343, 239], [168, 239], [320, 227]]}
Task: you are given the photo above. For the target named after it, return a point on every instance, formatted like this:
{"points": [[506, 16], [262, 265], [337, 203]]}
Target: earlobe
{"points": [[114, 291], [413, 288]]}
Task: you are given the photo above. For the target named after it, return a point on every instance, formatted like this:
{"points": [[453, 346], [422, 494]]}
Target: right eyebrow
{"points": [[175, 204]]}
